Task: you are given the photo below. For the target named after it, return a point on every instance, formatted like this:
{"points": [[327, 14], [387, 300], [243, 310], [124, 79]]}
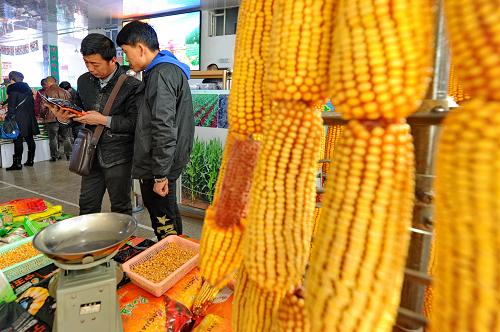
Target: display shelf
{"points": [[217, 74]]}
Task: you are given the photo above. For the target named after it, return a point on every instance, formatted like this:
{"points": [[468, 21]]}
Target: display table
{"points": [[140, 310], [7, 151]]}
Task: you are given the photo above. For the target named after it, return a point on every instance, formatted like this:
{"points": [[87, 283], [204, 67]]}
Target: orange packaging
{"points": [[142, 311], [186, 289], [218, 314]]}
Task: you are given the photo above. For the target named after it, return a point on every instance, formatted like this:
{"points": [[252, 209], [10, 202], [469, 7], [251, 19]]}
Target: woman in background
{"points": [[22, 106]]}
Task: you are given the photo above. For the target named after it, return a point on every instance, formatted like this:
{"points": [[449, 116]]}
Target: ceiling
{"points": [[31, 17]]}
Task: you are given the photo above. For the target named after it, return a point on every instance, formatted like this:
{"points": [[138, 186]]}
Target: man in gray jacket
{"points": [[165, 125]]}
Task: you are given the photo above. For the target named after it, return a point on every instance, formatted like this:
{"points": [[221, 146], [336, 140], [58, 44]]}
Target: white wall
{"points": [[218, 50]]}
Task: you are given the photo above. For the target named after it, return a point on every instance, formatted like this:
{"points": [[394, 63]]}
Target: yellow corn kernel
{"points": [[356, 268], [466, 292]]}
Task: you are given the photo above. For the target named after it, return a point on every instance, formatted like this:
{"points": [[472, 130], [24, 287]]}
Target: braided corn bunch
{"points": [[466, 293], [381, 66]]}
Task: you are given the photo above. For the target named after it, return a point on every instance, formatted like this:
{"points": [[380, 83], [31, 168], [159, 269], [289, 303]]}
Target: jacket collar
{"points": [[111, 81]]}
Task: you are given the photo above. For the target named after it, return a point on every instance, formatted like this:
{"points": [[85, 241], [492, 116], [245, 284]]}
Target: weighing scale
{"points": [[85, 286]]}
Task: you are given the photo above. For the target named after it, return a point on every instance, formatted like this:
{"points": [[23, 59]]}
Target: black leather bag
{"points": [[85, 146]]}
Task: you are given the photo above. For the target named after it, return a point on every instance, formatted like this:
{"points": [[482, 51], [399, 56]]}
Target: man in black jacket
{"points": [[165, 126], [113, 162]]}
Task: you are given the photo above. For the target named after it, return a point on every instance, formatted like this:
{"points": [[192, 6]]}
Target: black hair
{"points": [[95, 43], [213, 64], [16, 76], [65, 85], [138, 32], [43, 82]]}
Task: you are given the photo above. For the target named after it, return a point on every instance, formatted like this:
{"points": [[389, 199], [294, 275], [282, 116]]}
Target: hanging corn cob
{"points": [[380, 68], [282, 203], [277, 239], [332, 140], [381, 61], [456, 88], [360, 248], [292, 313], [466, 292], [220, 243], [474, 30], [317, 215], [301, 50], [282, 206], [254, 309]]}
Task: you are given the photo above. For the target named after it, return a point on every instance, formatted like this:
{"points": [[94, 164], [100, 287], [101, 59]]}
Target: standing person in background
{"points": [[165, 126], [75, 99], [21, 105], [113, 161], [57, 130], [67, 86], [38, 99], [217, 81]]}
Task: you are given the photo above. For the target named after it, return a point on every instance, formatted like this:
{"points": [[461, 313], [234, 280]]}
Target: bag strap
{"points": [[107, 108], [20, 103]]}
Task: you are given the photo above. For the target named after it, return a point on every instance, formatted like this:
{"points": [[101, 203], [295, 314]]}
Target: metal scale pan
{"points": [[85, 239], [85, 288]]}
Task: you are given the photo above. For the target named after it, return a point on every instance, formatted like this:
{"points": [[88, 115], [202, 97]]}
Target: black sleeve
{"points": [[125, 122], [163, 101], [12, 102]]}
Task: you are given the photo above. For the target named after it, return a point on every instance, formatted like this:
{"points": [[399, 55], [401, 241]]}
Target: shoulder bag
{"points": [[10, 129], [85, 146]]}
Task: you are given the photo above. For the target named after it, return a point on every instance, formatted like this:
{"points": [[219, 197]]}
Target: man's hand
{"points": [[61, 115], [92, 118], [161, 188]]}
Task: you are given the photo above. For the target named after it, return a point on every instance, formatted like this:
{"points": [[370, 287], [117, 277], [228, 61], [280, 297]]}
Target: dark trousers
{"points": [[163, 211], [117, 180], [18, 145], [59, 135]]}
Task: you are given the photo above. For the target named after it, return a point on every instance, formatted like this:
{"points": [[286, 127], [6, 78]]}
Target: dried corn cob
{"points": [[356, 268], [254, 309], [292, 315], [248, 102], [317, 215], [283, 195], [429, 291], [302, 34], [204, 298], [220, 250], [232, 205], [474, 29], [466, 292], [332, 140], [455, 87], [381, 58], [322, 151]]}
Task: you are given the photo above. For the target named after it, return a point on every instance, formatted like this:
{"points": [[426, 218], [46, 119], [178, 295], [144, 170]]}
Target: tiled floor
{"points": [[56, 184]]}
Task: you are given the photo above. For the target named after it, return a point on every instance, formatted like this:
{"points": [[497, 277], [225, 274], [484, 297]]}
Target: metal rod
{"points": [[420, 118], [418, 277], [410, 317]]}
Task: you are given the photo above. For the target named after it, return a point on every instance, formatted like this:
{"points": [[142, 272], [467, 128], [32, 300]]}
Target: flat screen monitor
{"points": [[180, 34]]}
